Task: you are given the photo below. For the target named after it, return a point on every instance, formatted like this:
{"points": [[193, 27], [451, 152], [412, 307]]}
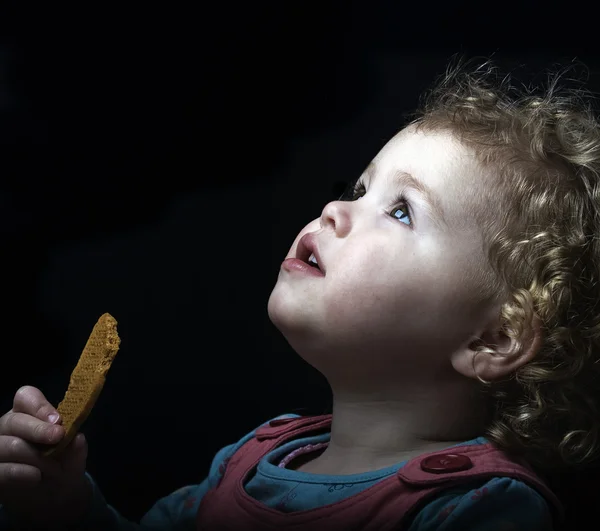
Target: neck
{"points": [[375, 430]]}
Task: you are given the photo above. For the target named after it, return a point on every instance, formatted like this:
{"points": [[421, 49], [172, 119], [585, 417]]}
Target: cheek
{"points": [[385, 290], [368, 289]]}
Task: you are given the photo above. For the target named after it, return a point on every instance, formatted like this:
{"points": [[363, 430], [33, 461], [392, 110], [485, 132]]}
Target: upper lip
{"points": [[307, 246]]}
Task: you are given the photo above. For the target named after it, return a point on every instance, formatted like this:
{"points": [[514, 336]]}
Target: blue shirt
{"points": [[497, 504]]}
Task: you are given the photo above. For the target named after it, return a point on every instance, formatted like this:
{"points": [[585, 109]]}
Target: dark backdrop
{"points": [[157, 163]]}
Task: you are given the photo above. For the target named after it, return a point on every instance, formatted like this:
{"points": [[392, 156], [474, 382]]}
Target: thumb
{"points": [[74, 457]]}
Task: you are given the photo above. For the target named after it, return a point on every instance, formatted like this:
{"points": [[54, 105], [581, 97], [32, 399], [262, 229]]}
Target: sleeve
{"points": [[175, 512], [500, 504]]}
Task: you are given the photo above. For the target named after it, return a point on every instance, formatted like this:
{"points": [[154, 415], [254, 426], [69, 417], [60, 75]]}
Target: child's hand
{"points": [[42, 492]]}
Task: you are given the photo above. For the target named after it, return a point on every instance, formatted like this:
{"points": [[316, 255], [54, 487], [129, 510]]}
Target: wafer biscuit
{"points": [[87, 379]]}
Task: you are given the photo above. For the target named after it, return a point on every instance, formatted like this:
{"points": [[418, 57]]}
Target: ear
{"points": [[506, 357]]}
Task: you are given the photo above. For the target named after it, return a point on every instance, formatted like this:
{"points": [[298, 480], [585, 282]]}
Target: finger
{"points": [[30, 428], [31, 400], [18, 474], [16, 451]]}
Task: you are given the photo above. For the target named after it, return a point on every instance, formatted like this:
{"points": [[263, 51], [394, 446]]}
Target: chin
{"points": [[284, 310], [287, 319], [281, 313], [273, 307]]}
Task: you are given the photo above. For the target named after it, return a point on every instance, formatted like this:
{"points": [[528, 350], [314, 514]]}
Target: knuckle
{"points": [[23, 391], [40, 432], [14, 447], [6, 422], [15, 474], [11, 471]]}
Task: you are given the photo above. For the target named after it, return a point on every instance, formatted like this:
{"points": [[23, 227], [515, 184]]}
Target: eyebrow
{"points": [[402, 178]]}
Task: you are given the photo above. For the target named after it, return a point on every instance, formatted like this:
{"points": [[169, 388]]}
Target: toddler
{"points": [[449, 298]]}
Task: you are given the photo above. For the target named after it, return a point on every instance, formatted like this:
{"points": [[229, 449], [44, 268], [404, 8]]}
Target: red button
{"points": [[280, 422], [438, 464]]}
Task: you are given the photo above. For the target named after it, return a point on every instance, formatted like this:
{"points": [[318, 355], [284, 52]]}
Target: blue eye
{"points": [[399, 204]]}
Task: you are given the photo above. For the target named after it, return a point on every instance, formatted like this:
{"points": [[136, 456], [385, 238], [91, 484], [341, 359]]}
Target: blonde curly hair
{"points": [[543, 146]]}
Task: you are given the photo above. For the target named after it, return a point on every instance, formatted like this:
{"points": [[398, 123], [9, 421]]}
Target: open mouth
{"points": [[308, 252], [312, 261]]}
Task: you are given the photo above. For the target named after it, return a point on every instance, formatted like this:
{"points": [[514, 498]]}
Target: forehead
{"points": [[437, 159], [433, 155]]}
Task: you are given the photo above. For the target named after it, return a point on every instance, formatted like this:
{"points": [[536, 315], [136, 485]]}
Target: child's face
{"points": [[399, 290]]}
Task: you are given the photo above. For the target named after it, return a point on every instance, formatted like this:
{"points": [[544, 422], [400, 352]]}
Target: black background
{"points": [[157, 163]]}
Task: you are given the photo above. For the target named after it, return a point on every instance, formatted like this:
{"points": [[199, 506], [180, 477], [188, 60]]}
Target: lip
{"points": [[293, 264], [307, 246]]}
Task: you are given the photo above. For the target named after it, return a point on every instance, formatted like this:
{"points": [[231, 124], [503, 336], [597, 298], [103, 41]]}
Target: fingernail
{"points": [[53, 418]]}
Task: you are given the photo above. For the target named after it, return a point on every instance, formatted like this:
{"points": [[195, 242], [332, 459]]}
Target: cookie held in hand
{"points": [[87, 379]]}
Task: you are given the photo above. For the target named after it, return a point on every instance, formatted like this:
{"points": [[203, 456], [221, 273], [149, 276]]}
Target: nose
{"points": [[336, 215]]}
